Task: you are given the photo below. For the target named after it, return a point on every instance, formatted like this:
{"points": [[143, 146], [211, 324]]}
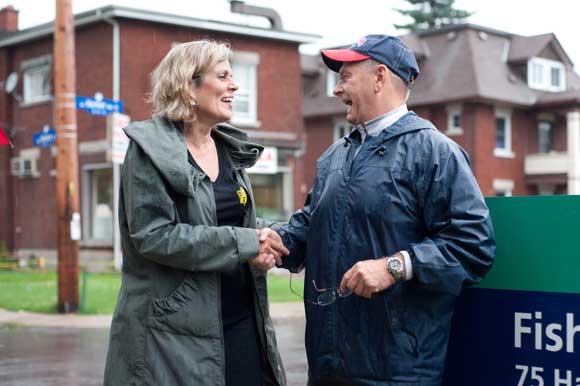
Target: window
{"points": [[341, 129], [537, 73], [503, 134], [555, 77], [37, 79], [331, 81], [454, 120], [244, 67], [544, 137], [98, 203], [503, 188], [268, 192], [546, 74]]}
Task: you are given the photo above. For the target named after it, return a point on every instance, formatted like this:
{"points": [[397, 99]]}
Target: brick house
{"points": [[116, 49], [512, 102]]}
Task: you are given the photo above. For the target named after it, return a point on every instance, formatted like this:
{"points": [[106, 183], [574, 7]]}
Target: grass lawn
{"points": [[37, 292]]}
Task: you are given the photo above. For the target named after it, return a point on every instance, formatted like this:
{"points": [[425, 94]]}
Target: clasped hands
{"points": [[271, 249]]}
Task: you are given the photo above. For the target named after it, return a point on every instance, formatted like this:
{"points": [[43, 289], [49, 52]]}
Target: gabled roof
{"points": [[468, 64], [525, 47], [99, 14]]}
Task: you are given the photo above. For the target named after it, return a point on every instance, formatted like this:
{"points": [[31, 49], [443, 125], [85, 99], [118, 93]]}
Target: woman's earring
{"points": [[193, 103]]}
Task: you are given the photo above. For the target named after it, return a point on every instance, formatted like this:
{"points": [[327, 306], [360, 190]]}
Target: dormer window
{"points": [[546, 74]]}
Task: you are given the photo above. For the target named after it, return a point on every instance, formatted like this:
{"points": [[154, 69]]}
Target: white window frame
{"points": [[31, 67], [331, 81], [453, 111], [503, 186], [87, 203], [504, 152], [340, 129], [543, 69], [249, 60]]}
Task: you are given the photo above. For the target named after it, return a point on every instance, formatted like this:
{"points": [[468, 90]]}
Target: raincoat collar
{"points": [[408, 123], [164, 144]]}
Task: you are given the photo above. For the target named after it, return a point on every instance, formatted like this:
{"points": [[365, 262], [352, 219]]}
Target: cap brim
{"points": [[335, 58]]}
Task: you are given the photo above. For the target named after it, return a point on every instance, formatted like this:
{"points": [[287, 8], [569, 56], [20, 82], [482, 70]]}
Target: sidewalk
{"points": [[23, 318]]}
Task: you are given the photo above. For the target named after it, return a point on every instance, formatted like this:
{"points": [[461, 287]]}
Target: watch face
{"points": [[395, 267], [395, 264]]}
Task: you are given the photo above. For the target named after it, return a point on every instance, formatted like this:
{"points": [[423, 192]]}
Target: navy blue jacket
{"points": [[409, 188]]}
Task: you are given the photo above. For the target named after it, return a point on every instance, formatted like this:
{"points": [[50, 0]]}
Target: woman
{"points": [[192, 308]]}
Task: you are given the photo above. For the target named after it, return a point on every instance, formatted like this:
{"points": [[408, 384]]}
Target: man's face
{"points": [[355, 88]]}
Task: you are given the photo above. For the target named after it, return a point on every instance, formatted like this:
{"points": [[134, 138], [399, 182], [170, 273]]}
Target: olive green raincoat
{"points": [[167, 326]]}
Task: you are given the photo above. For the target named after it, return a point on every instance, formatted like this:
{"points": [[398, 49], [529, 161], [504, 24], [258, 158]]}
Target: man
{"points": [[396, 218]]}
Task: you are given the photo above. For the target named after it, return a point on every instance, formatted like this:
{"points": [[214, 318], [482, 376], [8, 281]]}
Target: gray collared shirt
{"points": [[376, 125]]}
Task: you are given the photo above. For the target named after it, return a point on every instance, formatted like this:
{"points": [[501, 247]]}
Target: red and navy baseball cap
{"points": [[388, 50]]}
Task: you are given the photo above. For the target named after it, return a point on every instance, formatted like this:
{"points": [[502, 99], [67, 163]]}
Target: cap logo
{"points": [[361, 41]]}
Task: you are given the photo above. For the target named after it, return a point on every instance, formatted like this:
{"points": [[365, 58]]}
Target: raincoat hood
{"points": [[164, 144]]}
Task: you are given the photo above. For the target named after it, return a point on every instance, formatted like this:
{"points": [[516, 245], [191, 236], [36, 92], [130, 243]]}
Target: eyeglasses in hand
{"points": [[326, 296]]}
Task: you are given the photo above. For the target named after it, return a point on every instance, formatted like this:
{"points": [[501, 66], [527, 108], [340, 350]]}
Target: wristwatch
{"points": [[395, 267]]}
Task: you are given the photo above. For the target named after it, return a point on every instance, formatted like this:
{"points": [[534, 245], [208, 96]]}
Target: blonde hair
{"points": [[183, 67]]}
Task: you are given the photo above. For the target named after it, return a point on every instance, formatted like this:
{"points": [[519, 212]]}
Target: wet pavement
{"points": [[71, 356]]}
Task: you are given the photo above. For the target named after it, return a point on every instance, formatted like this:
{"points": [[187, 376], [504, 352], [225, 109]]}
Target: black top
{"points": [[232, 203]]}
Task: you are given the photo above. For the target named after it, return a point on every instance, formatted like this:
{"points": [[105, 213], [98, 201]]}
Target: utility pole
{"points": [[67, 186]]}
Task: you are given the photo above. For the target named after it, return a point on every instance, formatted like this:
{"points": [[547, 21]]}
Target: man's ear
{"points": [[381, 74]]}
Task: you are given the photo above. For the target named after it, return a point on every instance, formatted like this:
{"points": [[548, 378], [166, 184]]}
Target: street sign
{"points": [[45, 138], [118, 141], [268, 162], [521, 325], [98, 105]]}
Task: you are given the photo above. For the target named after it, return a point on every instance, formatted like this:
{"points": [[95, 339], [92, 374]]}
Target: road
{"points": [[72, 356]]}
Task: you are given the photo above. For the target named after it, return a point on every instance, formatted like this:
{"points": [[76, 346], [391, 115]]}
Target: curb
{"points": [[30, 319]]}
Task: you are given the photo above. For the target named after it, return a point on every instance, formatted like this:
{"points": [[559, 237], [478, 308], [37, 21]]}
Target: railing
{"points": [[546, 163]]}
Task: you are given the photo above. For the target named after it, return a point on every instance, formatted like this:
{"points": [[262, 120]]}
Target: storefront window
{"points": [[269, 195]]}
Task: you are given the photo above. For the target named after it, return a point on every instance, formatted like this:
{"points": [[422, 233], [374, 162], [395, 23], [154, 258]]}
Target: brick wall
{"points": [[320, 137], [143, 45]]}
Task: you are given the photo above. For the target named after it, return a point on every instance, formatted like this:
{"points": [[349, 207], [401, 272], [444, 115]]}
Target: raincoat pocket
{"points": [[186, 311]]}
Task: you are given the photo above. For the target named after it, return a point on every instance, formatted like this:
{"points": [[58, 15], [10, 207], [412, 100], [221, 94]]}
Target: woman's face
{"points": [[215, 95]]}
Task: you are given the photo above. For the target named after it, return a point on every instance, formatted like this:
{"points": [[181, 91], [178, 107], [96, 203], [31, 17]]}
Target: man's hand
{"points": [[263, 261], [367, 277], [271, 249]]}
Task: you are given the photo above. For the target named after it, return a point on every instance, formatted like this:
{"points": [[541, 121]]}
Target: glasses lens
{"points": [[326, 298]]}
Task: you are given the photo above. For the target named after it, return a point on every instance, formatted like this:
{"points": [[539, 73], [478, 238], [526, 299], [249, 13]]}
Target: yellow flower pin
{"points": [[242, 196]]}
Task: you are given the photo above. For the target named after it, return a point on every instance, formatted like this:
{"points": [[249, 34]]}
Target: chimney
{"points": [[8, 19], [237, 6]]}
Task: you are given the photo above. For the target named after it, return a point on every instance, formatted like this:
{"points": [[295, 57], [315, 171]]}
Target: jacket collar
{"points": [[163, 142], [408, 123]]}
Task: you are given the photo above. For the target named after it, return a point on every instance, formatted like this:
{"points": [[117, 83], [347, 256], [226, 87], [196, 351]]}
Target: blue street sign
{"points": [[45, 138], [98, 105]]}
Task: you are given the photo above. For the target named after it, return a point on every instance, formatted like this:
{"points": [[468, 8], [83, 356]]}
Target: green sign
{"points": [[521, 325], [538, 244]]}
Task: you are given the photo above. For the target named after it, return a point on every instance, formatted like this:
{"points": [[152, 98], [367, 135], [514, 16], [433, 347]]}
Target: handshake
{"points": [[271, 250]]}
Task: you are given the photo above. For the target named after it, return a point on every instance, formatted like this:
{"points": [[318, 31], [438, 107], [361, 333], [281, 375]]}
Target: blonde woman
{"points": [[192, 309]]}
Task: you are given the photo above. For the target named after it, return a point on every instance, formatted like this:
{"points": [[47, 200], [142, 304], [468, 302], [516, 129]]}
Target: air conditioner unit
{"points": [[24, 167]]}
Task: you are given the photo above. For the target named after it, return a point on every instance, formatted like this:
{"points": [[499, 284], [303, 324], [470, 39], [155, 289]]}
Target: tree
{"points": [[430, 14]]}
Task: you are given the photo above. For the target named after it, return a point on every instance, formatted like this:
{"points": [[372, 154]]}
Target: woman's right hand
{"points": [[271, 249]]}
